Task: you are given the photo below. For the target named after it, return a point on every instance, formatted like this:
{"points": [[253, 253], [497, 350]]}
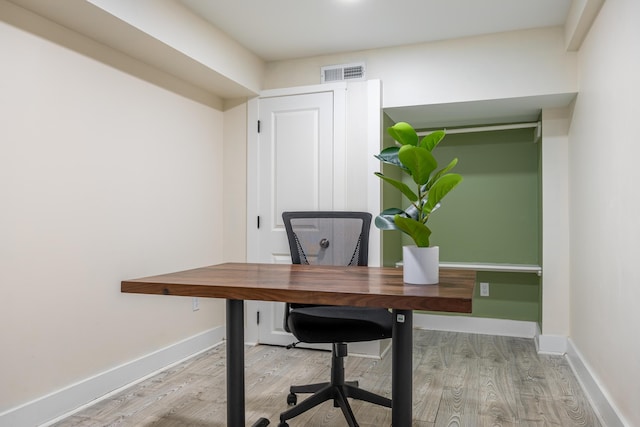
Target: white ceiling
{"points": [[285, 29]]}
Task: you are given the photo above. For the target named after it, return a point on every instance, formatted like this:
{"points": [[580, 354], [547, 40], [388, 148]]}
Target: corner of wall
{"points": [[551, 344], [579, 21]]}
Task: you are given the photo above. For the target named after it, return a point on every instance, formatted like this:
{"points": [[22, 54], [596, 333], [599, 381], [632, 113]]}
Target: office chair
{"points": [[332, 238]]}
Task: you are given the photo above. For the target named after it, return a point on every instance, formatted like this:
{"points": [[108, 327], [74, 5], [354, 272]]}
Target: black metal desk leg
{"points": [[402, 368], [235, 363]]}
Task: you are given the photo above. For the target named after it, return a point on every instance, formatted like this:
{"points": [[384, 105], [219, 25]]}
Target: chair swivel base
{"points": [[292, 398], [339, 395], [337, 390]]}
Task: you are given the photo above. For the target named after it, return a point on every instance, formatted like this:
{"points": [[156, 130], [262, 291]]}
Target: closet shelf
{"points": [[484, 266]]}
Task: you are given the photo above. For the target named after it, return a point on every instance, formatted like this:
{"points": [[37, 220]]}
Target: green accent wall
{"points": [[493, 216], [514, 296]]}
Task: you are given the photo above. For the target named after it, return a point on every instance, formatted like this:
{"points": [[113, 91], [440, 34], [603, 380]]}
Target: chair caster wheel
{"points": [[292, 400], [283, 424]]}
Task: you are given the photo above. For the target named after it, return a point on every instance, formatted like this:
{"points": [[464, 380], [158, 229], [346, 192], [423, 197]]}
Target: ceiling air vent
{"points": [[336, 73]]}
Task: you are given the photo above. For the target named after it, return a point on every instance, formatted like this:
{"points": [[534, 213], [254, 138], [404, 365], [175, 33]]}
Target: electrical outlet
{"points": [[484, 289], [195, 304]]}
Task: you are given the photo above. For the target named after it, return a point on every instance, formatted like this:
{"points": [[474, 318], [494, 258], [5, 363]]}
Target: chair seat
{"points": [[330, 324]]}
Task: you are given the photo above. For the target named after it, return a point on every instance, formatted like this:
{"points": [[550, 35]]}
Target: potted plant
{"points": [[414, 157]]}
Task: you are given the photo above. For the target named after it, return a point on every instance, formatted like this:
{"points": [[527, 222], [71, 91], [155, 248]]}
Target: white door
{"points": [[295, 165], [295, 171]]}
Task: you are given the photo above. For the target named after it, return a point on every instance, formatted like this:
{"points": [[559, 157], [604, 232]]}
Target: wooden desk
{"points": [[354, 286]]}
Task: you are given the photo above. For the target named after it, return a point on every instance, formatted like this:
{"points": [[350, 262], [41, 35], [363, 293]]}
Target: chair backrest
{"points": [[328, 237]]}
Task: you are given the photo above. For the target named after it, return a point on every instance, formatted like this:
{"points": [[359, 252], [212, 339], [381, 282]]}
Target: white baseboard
{"points": [[551, 344], [600, 400], [476, 325], [62, 403]]}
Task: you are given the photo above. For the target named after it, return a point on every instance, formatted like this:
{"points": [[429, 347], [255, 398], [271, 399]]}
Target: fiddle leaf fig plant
{"points": [[414, 157]]}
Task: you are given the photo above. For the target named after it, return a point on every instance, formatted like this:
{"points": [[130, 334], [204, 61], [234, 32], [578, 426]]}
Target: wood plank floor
{"points": [[459, 380]]}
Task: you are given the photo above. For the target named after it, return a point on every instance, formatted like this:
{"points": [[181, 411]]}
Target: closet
{"points": [[492, 221]]}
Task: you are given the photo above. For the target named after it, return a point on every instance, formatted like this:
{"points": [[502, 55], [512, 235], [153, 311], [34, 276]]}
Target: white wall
{"points": [[605, 229], [175, 25], [506, 65], [234, 182], [555, 229], [103, 177]]}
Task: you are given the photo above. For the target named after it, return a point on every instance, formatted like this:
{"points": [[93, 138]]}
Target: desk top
{"points": [[313, 284]]}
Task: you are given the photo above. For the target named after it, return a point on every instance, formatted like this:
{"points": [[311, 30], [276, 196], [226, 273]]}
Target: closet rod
{"points": [[487, 128]]}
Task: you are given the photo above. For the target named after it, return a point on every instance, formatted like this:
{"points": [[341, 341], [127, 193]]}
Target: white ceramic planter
{"points": [[421, 265]]}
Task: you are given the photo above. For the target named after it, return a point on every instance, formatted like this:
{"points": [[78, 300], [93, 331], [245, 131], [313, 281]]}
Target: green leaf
{"points": [[441, 172], [404, 133], [432, 140], [440, 189], [390, 155], [413, 156], [419, 232], [404, 188], [419, 161]]}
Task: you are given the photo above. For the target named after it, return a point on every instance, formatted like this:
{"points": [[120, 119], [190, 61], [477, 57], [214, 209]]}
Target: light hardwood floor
{"points": [[459, 380]]}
